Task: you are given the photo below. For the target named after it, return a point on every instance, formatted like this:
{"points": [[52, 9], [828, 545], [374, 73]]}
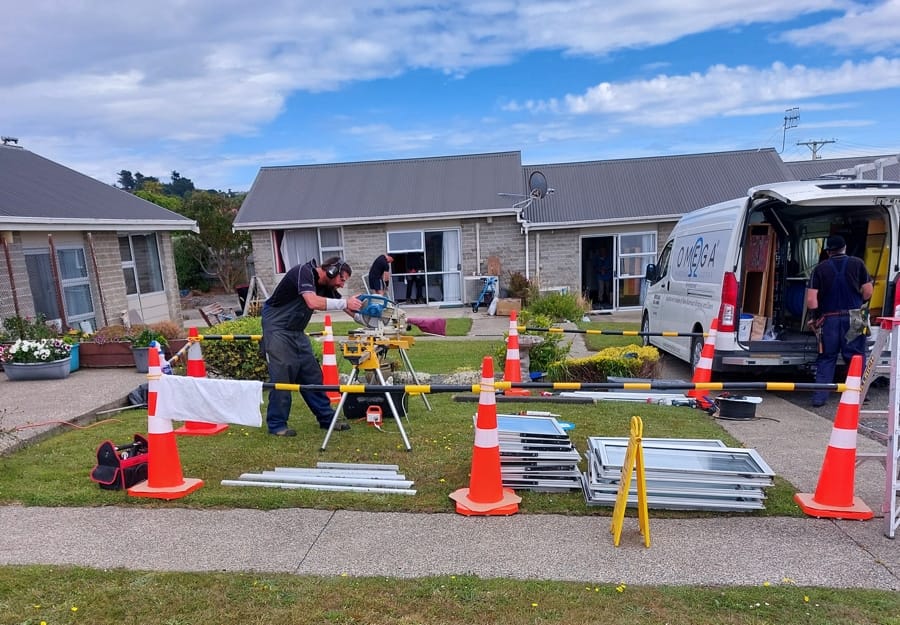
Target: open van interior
{"points": [[782, 243]]}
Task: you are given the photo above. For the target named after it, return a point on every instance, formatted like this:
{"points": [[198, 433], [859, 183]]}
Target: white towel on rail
{"points": [[207, 400]]}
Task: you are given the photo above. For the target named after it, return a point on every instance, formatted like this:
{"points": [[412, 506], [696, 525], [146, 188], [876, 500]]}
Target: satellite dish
{"points": [[537, 185]]}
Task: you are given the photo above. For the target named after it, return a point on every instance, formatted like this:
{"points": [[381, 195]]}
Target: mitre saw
{"points": [[379, 316]]}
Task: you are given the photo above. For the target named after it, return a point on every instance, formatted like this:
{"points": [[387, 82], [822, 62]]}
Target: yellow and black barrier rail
{"points": [[229, 337], [665, 385], [610, 332]]}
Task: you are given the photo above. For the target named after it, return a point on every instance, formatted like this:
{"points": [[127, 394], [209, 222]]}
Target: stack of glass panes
{"points": [[537, 454], [681, 474]]}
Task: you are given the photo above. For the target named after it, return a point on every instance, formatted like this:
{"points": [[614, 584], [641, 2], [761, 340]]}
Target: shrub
{"points": [[239, 359], [518, 286], [28, 328], [553, 348], [558, 306], [169, 329], [629, 361], [109, 334], [143, 336], [188, 269]]}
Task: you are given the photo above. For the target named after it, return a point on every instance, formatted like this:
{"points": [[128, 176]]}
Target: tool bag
{"points": [[121, 466]]}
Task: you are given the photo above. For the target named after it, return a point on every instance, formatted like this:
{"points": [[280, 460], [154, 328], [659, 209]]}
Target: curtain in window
{"points": [[299, 246], [40, 279]]}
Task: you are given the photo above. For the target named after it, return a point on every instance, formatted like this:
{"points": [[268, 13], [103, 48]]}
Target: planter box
{"points": [[506, 305], [56, 370], [115, 354]]}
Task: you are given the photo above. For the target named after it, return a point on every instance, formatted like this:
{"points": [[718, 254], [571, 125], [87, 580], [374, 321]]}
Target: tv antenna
{"points": [[537, 190], [791, 117]]}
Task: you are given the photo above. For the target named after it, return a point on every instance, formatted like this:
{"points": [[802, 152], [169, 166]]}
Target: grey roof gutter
{"points": [[562, 225], [380, 219], [42, 224]]}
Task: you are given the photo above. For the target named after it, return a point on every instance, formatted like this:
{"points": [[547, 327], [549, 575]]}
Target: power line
{"points": [[815, 145]]}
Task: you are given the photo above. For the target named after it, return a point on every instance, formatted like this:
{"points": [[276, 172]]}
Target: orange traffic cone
{"points": [[196, 368], [329, 362], [703, 372], [834, 497], [486, 495], [164, 477], [512, 372]]}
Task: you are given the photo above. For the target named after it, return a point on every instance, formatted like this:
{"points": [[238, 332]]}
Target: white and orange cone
{"points": [[703, 372], [512, 371], [196, 368], [165, 479], [834, 498], [485, 495], [329, 362]]}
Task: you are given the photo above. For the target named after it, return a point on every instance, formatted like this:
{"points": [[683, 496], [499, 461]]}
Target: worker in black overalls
{"points": [[303, 289], [837, 289]]}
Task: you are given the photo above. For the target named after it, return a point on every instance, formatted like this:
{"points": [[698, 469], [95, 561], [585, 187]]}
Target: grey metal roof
{"points": [[807, 170], [36, 193], [374, 191], [646, 189]]}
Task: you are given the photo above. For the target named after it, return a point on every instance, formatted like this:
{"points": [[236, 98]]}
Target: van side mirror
{"points": [[652, 273]]}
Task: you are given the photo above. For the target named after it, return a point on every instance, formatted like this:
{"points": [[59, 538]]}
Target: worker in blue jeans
{"points": [[289, 354], [838, 287]]}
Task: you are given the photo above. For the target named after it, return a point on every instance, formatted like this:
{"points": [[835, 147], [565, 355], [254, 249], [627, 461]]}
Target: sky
{"points": [[216, 89]]}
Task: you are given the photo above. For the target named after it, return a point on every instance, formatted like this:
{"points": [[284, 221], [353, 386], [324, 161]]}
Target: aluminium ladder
{"points": [[890, 329]]}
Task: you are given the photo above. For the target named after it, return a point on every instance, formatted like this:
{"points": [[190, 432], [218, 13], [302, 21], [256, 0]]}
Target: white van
{"points": [[747, 262]]}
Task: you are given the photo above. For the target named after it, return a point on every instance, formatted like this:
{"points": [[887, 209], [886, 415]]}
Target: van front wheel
{"points": [[645, 329]]}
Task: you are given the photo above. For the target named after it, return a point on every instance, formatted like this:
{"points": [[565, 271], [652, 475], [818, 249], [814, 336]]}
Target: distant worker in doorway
{"points": [[603, 265], [415, 264], [380, 274], [838, 288]]}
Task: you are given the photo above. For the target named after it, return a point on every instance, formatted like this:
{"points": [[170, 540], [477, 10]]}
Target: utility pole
{"points": [[815, 145], [791, 116]]}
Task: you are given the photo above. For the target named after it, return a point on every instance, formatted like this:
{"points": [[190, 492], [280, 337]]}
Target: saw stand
{"points": [[364, 352]]}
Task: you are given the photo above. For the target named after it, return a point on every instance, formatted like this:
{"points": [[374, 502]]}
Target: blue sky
{"points": [[216, 89]]}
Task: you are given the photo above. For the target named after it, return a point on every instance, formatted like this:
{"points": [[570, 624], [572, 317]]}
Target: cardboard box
{"points": [[758, 327], [506, 305]]}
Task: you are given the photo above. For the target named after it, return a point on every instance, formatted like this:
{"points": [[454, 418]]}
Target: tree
{"points": [[179, 186], [220, 251], [126, 180]]}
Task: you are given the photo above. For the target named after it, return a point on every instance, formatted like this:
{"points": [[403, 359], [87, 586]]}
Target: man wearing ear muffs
{"points": [[285, 315]]}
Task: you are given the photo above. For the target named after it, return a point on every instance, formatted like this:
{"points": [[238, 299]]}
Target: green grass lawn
{"points": [[69, 595], [439, 462]]}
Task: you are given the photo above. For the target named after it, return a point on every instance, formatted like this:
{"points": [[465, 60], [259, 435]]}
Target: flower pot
{"points": [[74, 355], [113, 354], [141, 358], [54, 370]]}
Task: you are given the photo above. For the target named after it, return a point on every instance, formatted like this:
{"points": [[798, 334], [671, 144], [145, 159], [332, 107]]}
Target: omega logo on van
{"points": [[698, 256], [697, 260]]}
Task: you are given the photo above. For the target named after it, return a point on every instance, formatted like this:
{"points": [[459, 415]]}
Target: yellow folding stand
{"points": [[634, 459]]}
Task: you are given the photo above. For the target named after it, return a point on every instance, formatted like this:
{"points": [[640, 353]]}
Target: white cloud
{"points": [[669, 100], [872, 28], [156, 85]]}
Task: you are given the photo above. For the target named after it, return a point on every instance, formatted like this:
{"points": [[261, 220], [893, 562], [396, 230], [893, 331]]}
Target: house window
{"points": [[293, 247], [74, 284], [141, 266]]}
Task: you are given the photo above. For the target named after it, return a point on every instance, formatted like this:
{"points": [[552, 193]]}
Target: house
{"points": [[472, 215], [79, 251]]}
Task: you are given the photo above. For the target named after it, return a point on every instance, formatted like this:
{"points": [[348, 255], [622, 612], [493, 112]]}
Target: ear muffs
{"points": [[332, 271]]}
